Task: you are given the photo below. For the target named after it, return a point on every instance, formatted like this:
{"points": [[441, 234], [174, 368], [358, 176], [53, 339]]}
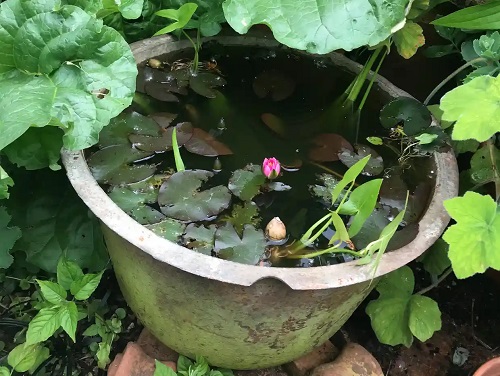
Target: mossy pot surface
{"points": [[239, 316]]}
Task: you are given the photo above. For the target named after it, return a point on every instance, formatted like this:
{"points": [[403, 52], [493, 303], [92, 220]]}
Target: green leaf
{"points": [[52, 292], [462, 103], [414, 116], [320, 26], [67, 272], [246, 250], [424, 318], [43, 325], [426, 138], [129, 9], [122, 126], [246, 183], [82, 288], [349, 177], [179, 164], [181, 16], [180, 197], [60, 65], [409, 39], [438, 114], [91, 331], [488, 46], [375, 141], [9, 236], [244, 214], [5, 182], [183, 363], [485, 165], [43, 355], [475, 238], [400, 282], [361, 204], [200, 238], [375, 165], [4, 371], [435, 260], [168, 228], [69, 319], [418, 8], [23, 357], [37, 148], [103, 354], [479, 17], [163, 370]]}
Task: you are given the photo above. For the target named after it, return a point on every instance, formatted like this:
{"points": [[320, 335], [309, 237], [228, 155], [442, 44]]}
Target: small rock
{"points": [[320, 355], [135, 362], [354, 360]]}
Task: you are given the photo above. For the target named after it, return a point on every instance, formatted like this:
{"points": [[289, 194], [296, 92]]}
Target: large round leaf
{"points": [[320, 26], [414, 116], [180, 196], [60, 65]]}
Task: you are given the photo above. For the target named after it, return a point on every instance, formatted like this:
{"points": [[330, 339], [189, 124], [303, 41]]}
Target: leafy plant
{"points": [[186, 367]]}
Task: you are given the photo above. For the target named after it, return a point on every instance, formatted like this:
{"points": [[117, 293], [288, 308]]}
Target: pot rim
{"points": [[431, 225]]}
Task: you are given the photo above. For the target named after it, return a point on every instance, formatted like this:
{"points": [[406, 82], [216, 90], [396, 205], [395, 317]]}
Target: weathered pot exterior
{"points": [[239, 316]]}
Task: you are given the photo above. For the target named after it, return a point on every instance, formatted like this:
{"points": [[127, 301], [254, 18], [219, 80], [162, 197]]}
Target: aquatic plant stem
{"points": [[437, 282], [361, 78], [196, 57], [179, 164], [372, 80], [453, 74]]}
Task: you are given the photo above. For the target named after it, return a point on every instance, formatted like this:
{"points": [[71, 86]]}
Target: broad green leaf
{"points": [[435, 260], [181, 16], [246, 183], [488, 46], [82, 288], [375, 140], [475, 106], [5, 182], [52, 292], [55, 222], [485, 164], [425, 317], [409, 39], [414, 116], [324, 190], [119, 129], [478, 17], [60, 66], [4, 371], [163, 370], [426, 138], [244, 214], [400, 282], [180, 197], [69, 319], [418, 7], [375, 165], [168, 228], [91, 331], [475, 239], [36, 148], [103, 354], [466, 146], [183, 364], [200, 238], [42, 356], [320, 26], [361, 204], [246, 250], [68, 272], [349, 177], [9, 236], [129, 9], [24, 356], [43, 325], [438, 114]]}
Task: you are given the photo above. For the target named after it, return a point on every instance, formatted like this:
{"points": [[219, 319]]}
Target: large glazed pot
{"points": [[240, 316]]}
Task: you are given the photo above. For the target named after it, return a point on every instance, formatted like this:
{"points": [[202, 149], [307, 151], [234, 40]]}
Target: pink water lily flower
{"points": [[271, 168]]}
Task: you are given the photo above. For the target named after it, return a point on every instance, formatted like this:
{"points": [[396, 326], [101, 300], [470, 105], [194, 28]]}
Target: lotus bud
{"points": [[276, 230], [271, 168]]}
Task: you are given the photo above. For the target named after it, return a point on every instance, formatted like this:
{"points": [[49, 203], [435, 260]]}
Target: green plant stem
{"points": [[492, 149], [179, 164], [361, 78], [453, 74], [323, 251], [196, 58], [437, 282], [372, 80], [302, 242]]}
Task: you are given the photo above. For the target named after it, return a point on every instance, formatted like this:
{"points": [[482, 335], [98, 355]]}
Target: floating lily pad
{"points": [[246, 183], [245, 214], [180, 196], [164, 142], [148, 75], [375, 165], [203, 143], [118, 130], [160, 91], [248, 249], [275, 84], [200, 238], [323, 191], [163, 119], [168, 228], [204, 83], [414, 116], [274, 123], [327, 147], [111, 165], [145, 215]]}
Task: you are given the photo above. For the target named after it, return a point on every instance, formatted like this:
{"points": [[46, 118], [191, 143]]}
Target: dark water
{"points": [[234, 118]]}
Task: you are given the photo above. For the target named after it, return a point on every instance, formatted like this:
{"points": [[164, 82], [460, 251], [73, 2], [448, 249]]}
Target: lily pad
{"points": [[246, 183], [327, 147], [248, 249], [180, 196], [275, 84], [414, 116], [164, 119], [168, 228], [274, 123], [323, 191], [148, 75], [204, 83], [111, 165], [375, 165], [164, 142], [243, 214], [200, 238], [205, 144], [160, 91], [118, 130]]}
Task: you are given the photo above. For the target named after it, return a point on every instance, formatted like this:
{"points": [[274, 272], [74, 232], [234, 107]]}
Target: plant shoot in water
{"points": [[179, 164]]}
